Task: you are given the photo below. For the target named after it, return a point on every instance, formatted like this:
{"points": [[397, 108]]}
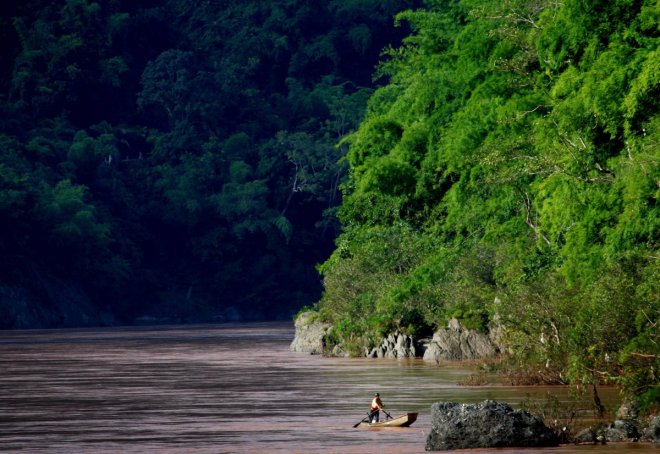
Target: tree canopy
{"points": [[177, 159], [508, 173]]}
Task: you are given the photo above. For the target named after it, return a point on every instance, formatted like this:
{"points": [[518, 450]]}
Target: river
{"points": [[221, 389]]}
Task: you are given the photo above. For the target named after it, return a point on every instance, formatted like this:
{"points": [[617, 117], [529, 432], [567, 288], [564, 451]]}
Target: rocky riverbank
{"points": [[452, 343], [487, 424], [621, 430]]}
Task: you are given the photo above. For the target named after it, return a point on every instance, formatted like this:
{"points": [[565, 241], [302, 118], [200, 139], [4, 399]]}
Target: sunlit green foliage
{"points": [[516, 147]]}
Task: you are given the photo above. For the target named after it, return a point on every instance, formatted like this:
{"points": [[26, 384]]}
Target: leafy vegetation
{"points": [[188, 158], [510, 168], [178, 159]]}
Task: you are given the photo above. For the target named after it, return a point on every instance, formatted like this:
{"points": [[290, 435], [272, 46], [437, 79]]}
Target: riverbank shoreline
{"points": [[459, 344]]}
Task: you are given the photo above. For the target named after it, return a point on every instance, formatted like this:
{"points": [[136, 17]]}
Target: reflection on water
{"points": [[217, 389]]}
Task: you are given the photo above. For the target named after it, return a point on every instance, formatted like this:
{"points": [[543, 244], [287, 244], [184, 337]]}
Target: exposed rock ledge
{"points": [[395, 345], [310, 335], [456, 343], [488, 424]]}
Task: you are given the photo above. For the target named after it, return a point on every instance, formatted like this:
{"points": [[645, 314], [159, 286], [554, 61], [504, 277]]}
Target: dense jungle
{"points": [[390, 164], [507, 175], [176, 161]]}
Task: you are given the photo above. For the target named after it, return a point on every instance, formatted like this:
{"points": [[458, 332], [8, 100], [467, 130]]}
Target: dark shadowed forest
{"points": [[176, 159]]}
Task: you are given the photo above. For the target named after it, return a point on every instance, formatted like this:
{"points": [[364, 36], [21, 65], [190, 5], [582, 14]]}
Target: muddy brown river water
{"points": [[222, 389]]}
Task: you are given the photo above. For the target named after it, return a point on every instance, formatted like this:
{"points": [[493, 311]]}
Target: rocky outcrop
{"points": [[456, 343], [652, 432], [395, 345], [621, 430], [453, 343], [628, 427], [488, 424], [310, 334]]}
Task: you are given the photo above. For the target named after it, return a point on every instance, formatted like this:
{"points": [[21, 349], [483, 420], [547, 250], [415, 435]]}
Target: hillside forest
{"points": [[176, 161], [507, 175], [391, 164]]}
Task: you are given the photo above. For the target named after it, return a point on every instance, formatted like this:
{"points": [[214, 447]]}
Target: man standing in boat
{"points": [[376, 407]]}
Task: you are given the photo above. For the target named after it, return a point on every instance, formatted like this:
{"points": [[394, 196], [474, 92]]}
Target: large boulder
{"points": [[456, 343], [310, 334], [488, 424]]}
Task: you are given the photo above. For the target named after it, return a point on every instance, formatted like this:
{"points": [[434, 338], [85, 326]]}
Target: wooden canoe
{"points": [[399, 421]]}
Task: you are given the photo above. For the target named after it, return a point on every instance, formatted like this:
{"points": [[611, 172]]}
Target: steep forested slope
{"points": [[509, 170], [177, 158]]}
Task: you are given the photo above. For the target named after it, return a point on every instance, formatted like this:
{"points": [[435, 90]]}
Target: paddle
{"points": [[388, 415], [363, 420]]}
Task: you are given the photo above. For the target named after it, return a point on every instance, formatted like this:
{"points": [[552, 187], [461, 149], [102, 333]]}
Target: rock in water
{"points": [[488, 424]]}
